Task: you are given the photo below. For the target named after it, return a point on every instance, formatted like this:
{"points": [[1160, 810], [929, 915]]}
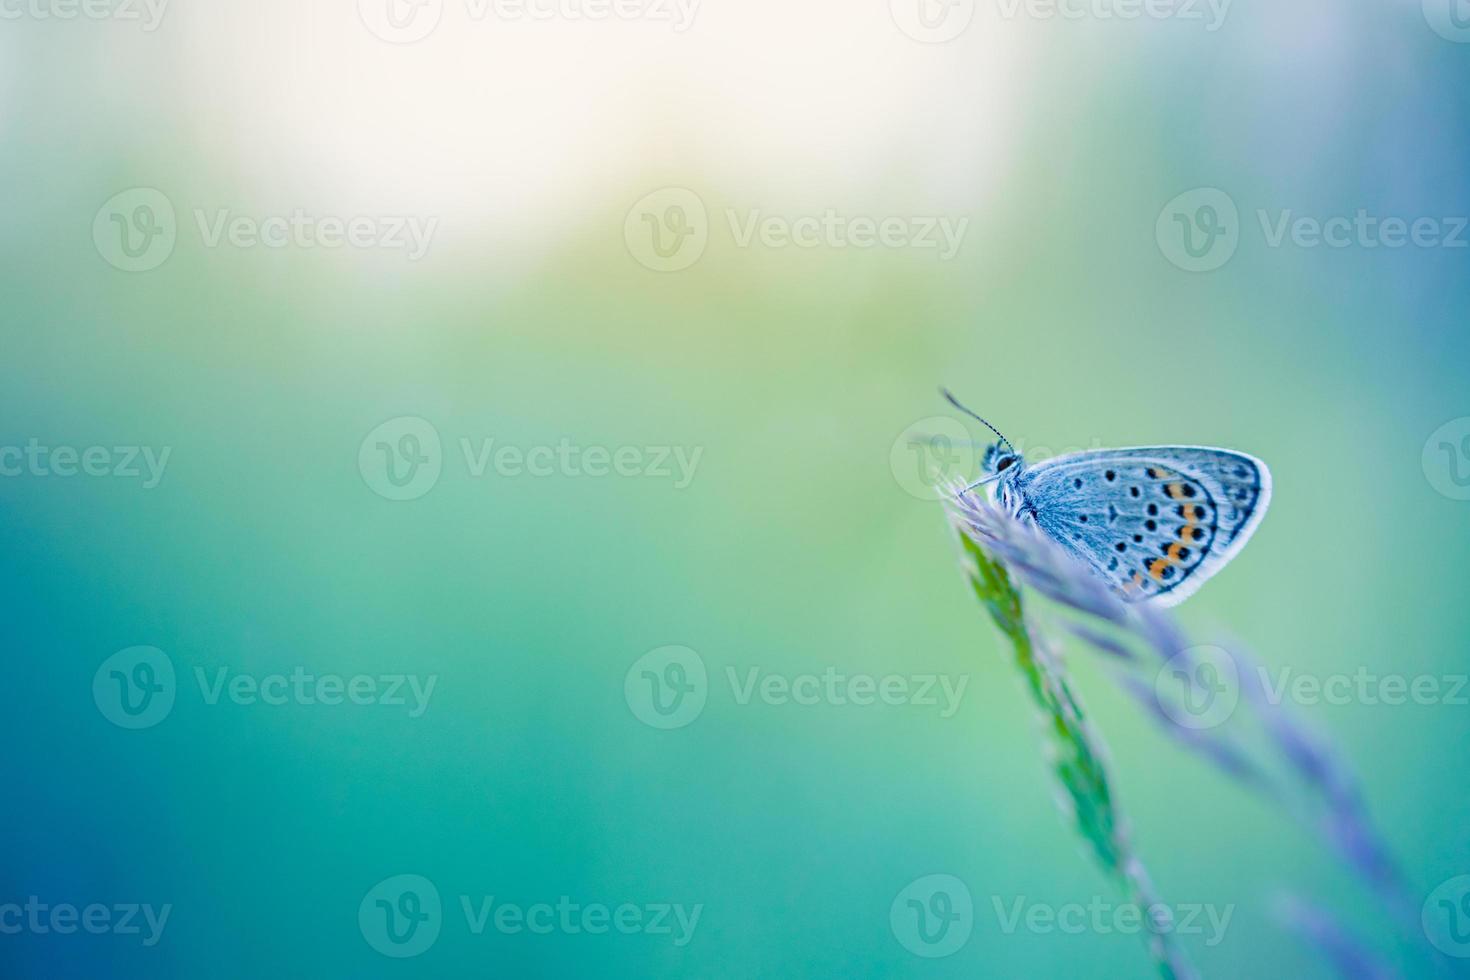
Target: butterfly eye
{"points": [[1007, 461]]}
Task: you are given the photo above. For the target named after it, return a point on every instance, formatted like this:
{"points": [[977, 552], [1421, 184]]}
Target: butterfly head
{"points": [[1001, 461]]}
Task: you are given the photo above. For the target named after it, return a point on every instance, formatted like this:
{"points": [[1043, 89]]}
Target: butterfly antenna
{"points": [[949, 397]]}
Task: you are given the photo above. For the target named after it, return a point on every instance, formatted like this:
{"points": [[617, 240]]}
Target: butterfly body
{"points": [[1155, 522]]}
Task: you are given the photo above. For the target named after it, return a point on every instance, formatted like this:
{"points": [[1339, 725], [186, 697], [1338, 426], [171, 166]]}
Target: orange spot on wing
{"points": [[1157, 566]]}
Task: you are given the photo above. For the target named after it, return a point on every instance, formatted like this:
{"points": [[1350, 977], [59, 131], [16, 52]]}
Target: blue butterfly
{"points": [[1155, 522]]}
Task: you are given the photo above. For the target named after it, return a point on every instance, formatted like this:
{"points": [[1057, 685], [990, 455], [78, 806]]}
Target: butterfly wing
{"points": [[1157, 521]]}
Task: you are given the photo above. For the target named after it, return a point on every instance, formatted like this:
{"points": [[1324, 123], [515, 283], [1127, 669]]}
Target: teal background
{"points": [[795, 548]]}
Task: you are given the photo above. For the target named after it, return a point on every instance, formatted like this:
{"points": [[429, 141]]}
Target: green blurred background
{"points": [[799, 545]]}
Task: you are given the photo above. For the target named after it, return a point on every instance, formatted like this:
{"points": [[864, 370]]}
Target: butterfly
{"points": [[1155, 522]]}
